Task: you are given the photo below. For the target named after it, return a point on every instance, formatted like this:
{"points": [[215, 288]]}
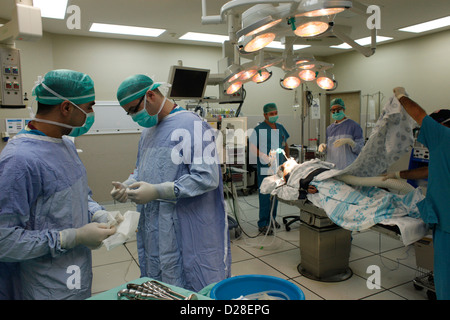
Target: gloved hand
{"points": [[391, 175], [119, 192], [142, 192], [400, 92], [91, 235], [341, 142], [109, 218], [264, 158], [322, 147]]}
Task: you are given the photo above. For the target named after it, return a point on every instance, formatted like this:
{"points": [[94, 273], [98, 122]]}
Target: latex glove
{"points": [[322, 147], [91, 235], [400, 92], [391, 175], [111, 218], [142, 192], [341, 142], [119, 192]]}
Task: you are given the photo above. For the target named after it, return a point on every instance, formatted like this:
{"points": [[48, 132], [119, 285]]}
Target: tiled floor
{"points": [[279, 256]]}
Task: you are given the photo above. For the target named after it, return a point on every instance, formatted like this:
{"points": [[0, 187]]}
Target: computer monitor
{"points": [[187, 83]]}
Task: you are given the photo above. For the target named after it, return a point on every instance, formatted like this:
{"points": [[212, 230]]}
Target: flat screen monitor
{"points": [[187, 83]]}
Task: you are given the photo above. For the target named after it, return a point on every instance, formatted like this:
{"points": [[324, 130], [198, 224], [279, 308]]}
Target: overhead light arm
{"points": [[366, 51]]}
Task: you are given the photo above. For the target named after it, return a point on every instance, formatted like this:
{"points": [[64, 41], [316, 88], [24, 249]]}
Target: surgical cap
{"points": [[135, 87], [270, 107], [441, 116], [337, 102], [75, 86]]}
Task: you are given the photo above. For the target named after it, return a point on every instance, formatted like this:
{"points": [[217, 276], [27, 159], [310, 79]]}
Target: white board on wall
{"points": [[110, 118]]}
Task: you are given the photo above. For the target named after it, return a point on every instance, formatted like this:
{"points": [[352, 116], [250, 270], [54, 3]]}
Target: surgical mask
{"points": [[145, 120], [338, 115], [273, 119], [76, 131]]}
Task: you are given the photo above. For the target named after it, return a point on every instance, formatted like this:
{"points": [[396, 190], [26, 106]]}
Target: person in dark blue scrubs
{"points": [[268, 136]]}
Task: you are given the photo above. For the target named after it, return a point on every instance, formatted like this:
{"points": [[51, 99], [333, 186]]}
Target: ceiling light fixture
{"points": [[427, 26], [205, 37], [128, 30], [55, 9]]}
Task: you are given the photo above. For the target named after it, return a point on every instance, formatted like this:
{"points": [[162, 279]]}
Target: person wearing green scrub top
{"points": [[434, 209], [268, 135]]}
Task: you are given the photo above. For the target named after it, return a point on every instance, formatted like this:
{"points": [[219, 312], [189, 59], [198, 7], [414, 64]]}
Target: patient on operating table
{"points": [[305, 186]]}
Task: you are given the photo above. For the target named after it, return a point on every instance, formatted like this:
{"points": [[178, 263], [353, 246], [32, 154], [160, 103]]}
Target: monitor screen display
{"points": [[187, 83]]}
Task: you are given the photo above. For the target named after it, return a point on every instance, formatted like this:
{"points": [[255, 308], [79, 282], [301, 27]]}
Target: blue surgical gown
{"points": [[434, 209], [43, 190], [183, 242], [266, 139], [344, 155]]}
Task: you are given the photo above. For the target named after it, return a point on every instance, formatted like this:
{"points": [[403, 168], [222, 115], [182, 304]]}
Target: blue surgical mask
{"points": [[145, 120], [338, 115], [273, 119]]}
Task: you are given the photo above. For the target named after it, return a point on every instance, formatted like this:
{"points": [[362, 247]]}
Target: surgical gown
{"points": [[183, 242], [43, 190], [344, 155]]}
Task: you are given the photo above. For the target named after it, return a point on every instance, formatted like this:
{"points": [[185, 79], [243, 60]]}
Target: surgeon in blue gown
{"points": [[183, 232], [47, 215]]}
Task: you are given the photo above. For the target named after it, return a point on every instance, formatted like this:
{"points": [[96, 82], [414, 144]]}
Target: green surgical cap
{"points": [[134, 87], [270, 107], [75, 86], [338, 102]]}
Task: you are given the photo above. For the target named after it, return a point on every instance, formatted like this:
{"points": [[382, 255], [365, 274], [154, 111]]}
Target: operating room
{"points": [[364, 78]]}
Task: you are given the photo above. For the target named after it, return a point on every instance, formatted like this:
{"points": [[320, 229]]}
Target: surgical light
{"points": [[307, 75], [311, 29], [233, 87], [262, 76], [271, 23], [249, 44], [247, 74], [233, 72], [290, 81], [322, 12], [320, 8], [326, 81]]}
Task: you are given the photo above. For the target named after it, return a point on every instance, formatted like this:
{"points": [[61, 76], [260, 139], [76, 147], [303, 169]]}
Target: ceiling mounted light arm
{"points": [[366, 51]]}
